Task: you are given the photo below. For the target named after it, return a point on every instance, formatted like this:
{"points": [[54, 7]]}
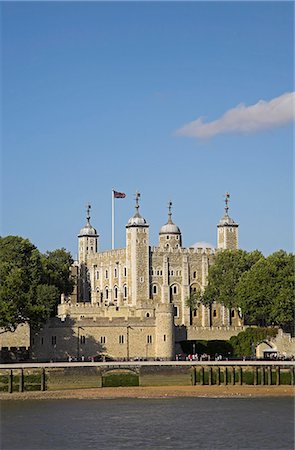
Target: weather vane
{"points": [[227, 197]]}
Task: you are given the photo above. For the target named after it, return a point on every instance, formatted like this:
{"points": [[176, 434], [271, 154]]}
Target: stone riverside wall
{"points": [[35, 378]]}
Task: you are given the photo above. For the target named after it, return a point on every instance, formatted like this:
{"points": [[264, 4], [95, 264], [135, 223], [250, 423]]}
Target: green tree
{"points": [[193, 301], [56, 267], [224, 275], [27, 292], [244, 343], [266, 292]]}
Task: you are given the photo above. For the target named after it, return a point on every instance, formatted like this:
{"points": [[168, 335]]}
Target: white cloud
{"points": [[245, 119]]}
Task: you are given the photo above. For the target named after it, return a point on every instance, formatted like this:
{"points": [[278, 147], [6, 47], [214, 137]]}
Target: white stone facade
{"points": [[132, 301]]}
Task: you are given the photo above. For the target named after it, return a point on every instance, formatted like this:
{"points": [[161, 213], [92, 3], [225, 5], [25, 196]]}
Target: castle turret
{"points": [[170, 234], [87, 242], [227, 230], [165, 347], [88, 238], [137, 255]]}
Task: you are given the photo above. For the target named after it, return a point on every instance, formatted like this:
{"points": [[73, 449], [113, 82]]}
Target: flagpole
{"points": [[113, 220]]}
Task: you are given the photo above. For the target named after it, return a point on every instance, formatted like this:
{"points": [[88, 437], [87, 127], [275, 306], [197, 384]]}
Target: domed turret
{"points": [[136, 220], [227, 229], [170, 234], [87, 238]]}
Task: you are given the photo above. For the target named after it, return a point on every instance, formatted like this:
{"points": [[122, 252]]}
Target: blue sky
{"points": [[93, 95]]}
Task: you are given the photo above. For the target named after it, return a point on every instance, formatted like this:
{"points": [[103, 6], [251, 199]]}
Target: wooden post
{"points": [[202, 376], [218, 376], [194, 376], [255, 374], [43, 380], [241, 375], [262, 375], [269, 375], [225, 376], [233, 372], [278, 381], [210, 376], [21, 380], [10, 381]]}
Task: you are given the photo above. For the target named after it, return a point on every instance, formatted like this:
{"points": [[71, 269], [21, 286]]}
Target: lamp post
{"points": [[78, 343]]}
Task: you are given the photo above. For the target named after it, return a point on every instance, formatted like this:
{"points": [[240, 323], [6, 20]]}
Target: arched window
{"points": [[214, 313], [106, 293], [233, 313], [125, 291], [155, 289], [115, 292], [125, 271], [116, 272], [195, 274], [107, 274]]}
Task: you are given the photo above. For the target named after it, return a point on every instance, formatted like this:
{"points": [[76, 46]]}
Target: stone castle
{"points": [[132, 302]]}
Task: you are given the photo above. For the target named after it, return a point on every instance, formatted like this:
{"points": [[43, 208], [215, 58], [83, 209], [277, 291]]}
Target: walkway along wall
{"points": [[31, 377]]}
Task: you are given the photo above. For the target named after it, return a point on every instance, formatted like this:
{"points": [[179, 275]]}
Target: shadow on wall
{"points": [[65, 340]]}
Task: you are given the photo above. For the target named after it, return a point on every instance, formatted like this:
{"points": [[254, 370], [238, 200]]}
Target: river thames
{"points": [[178, 423]]}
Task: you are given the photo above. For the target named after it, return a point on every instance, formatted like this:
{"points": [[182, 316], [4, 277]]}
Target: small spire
{"points": [[88, 208], [169, 212], [226, 208]]}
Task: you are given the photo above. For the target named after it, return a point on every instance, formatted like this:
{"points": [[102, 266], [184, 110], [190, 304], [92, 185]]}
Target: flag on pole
{"points": [[119, 194]]}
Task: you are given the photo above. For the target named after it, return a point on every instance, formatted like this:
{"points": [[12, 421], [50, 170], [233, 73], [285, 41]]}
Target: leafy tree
{"points": [[266, 292], [193, 301], [56, 266], [28, 293], [224, 275], [245, 342]]}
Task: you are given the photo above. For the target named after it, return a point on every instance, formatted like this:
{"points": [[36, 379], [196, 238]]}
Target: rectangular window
{"points": [[164, 337], [121, 339], [82, 339], [102, 339], [53, 340], [176, 314], [149, 339]]}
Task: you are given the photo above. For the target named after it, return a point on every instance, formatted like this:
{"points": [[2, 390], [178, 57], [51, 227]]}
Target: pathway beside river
{"points": [[156, 392]]}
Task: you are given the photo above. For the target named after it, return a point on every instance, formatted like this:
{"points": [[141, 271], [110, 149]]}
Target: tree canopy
{"points": [[263, 288], [224, 275], [265, 293], [31, 283], [244, 343]]}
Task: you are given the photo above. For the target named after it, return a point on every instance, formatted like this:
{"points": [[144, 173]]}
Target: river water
{"points": [[178, 423]]}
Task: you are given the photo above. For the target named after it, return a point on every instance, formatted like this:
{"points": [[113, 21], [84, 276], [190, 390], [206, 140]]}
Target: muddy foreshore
{"points": [[155, 392]]}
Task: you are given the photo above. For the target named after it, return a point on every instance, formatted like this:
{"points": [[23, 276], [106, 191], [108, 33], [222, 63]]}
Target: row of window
{"points": [[106, 293], [116, 273], [103, 339], [171, 272]]}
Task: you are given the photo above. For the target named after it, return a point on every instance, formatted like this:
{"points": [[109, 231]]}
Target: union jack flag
{"points": [[119, 194]]}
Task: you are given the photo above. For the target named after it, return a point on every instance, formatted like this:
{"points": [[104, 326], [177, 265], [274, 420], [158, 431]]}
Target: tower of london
{"points": [[132, 302]]}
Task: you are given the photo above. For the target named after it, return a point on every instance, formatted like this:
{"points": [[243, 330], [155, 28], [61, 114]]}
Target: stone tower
{"points": [[170, 234], [87, 239], [227, 230], [137, 256], [165, 331], [87, 246]]}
